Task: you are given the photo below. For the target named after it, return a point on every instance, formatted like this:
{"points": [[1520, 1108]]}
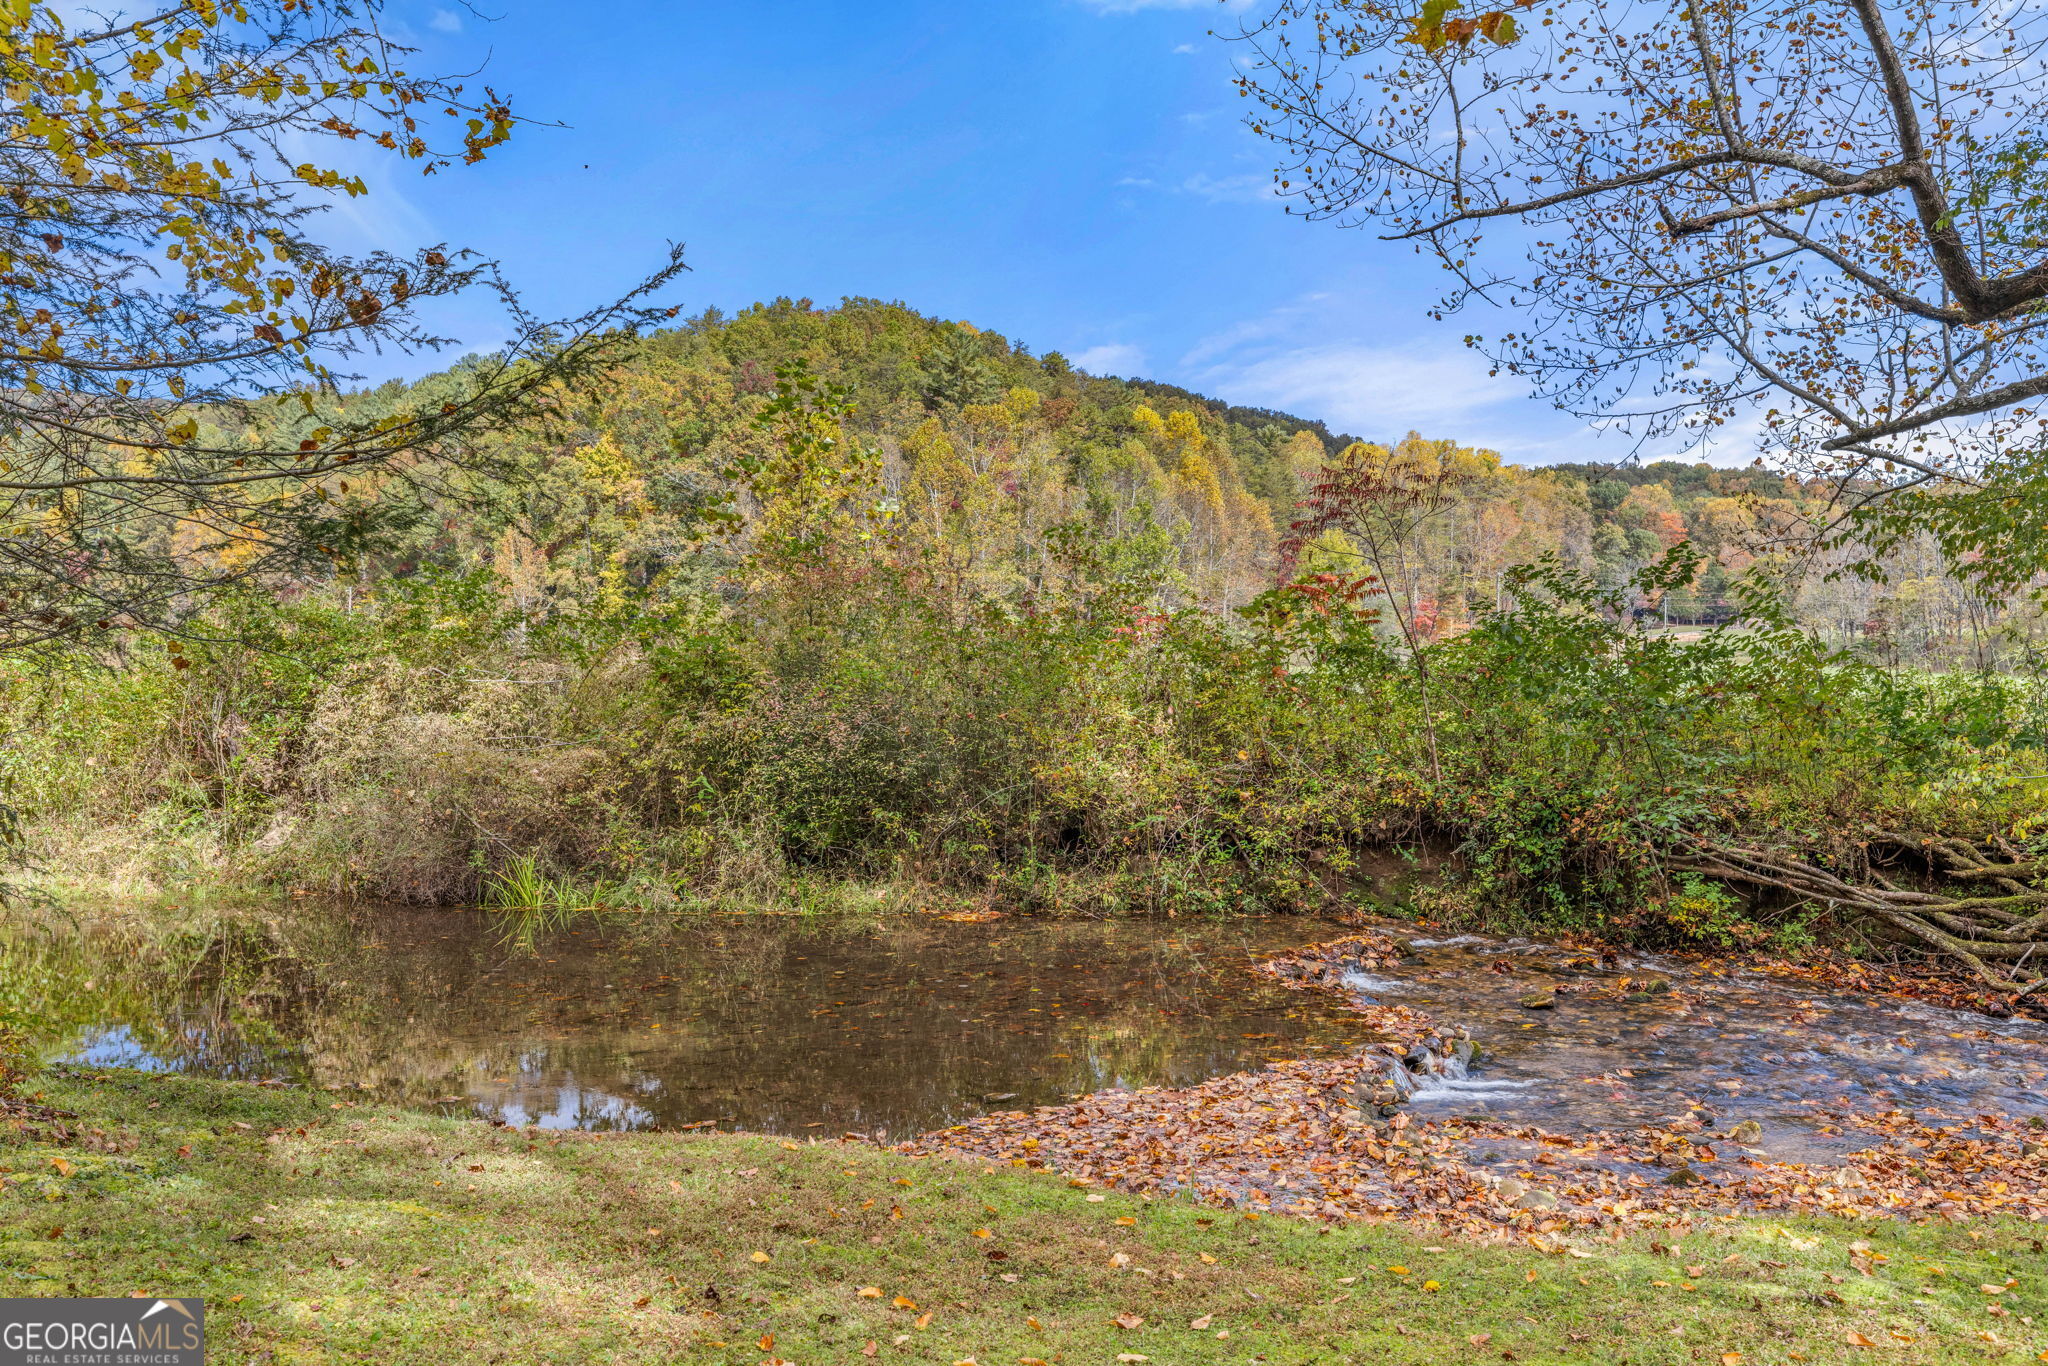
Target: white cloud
{"points": [[1279, 322], [1248, 188], [1114, 359], [1376, 391], [1230, 189], [1183, 49], [445, 21]]}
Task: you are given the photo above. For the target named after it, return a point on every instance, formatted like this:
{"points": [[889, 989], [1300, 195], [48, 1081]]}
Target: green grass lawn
{"points": [[325, 1228]]}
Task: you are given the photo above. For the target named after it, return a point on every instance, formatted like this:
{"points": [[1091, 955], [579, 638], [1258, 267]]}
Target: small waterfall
{"points": [[1438, 1068]]}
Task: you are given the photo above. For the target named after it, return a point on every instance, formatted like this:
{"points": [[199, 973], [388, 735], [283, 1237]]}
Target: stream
{"points": [[807, 1026], [1608, 1055]]}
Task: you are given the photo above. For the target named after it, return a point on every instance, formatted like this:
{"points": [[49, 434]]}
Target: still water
{"points": [[785, 1024]]}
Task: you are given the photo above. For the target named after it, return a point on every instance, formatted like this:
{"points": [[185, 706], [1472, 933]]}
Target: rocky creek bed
{"points": [[1538, 1090]]}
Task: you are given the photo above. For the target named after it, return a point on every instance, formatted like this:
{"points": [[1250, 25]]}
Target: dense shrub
{"points": [[1076, 758]]}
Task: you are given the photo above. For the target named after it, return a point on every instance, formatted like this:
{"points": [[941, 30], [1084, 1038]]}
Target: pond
{"points": [[785, 1024]]}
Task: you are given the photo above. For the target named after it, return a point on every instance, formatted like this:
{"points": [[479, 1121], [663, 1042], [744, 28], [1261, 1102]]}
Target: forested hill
{"points": [[994, 472], [981, 459]]}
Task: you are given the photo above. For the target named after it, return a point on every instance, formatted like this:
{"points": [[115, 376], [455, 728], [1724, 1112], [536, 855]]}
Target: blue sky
{"points": [[1071, 173]]}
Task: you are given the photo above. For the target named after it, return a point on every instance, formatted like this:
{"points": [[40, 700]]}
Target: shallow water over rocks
{"points": [[1577, 1042]]}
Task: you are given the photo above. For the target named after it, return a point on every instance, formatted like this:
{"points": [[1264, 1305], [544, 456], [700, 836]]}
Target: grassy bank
{"points": [[327, 1229]]}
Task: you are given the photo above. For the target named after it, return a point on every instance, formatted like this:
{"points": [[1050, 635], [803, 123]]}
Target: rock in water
{"points": [[1748, 1133], [1683, 1176], [1539, 1000]]}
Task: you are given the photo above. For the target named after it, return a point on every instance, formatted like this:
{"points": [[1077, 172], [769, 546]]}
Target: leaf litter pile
{"points": [[1335, 1139]]}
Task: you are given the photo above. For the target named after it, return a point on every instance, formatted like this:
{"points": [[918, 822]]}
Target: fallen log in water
{"points": [[1995, 921]]}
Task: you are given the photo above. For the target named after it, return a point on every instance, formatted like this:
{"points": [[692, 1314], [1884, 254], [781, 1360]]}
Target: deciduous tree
{"points": [[176, 331], [1823, 225]]}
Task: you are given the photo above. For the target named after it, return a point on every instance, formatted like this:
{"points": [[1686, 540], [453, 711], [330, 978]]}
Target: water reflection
{"points": [[788, 1025]]}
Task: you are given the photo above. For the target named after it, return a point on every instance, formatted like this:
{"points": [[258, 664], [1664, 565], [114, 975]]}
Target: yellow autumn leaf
{"points": [[757, 1256], [1207, 1260], [869, 1292], [1431, 1286], [1856, 1339]]}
